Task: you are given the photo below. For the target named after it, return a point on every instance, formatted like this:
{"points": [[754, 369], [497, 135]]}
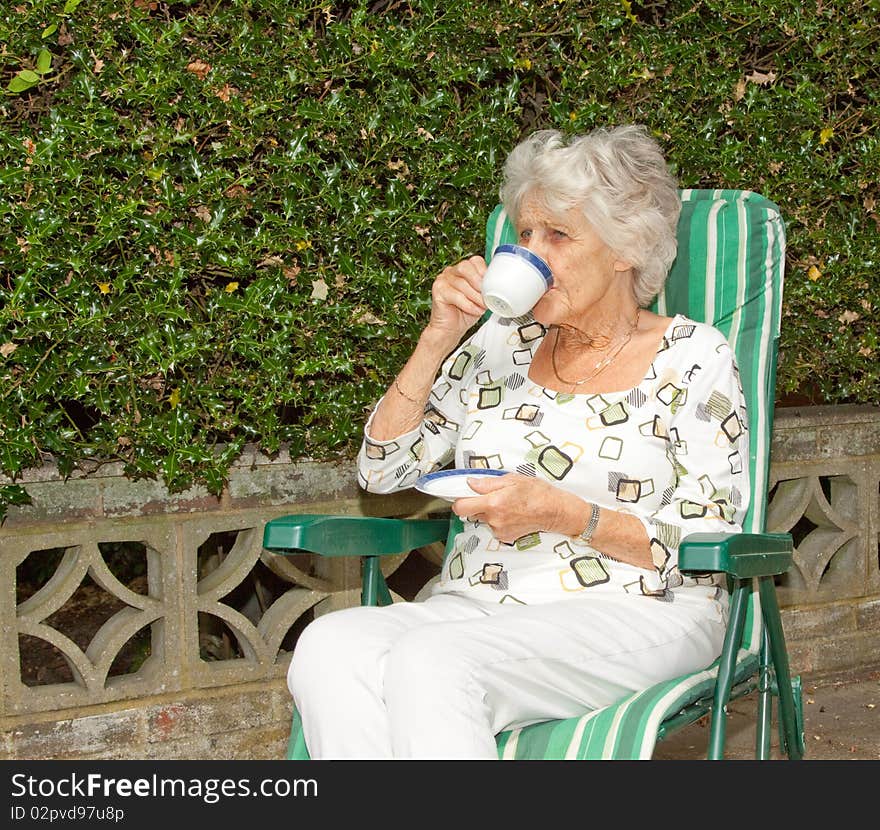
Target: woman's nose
{"points": [[537, 246]]}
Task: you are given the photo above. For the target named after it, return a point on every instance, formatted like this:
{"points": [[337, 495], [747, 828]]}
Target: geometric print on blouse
{"points": [[485, 413]]}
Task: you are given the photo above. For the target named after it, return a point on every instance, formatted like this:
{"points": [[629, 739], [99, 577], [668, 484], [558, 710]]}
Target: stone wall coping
{"points": [[795, 416], [250, 458]]}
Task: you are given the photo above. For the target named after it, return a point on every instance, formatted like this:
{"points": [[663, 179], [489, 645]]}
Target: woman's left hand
{"points": [[514, 505]]}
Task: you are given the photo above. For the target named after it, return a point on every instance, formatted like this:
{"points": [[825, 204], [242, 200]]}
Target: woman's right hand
{"points": [[456, 302]]}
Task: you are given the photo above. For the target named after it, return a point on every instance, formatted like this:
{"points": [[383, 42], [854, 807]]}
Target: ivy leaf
{"points": [[44, 62], [25, 79]]}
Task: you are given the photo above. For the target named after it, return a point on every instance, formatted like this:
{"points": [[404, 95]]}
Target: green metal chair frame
{"points": [[729, 272]]}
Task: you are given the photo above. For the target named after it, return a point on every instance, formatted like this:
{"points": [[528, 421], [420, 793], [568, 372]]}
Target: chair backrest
{"points": [[729, 272]]}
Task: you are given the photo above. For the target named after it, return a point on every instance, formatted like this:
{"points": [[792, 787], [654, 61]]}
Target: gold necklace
{"points": [[602, 365]]}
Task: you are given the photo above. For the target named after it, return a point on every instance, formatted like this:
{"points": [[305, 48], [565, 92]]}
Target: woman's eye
{"points": [[527, 234], [559, 234]]}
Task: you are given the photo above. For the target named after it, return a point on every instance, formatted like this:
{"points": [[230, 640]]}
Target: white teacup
{"points": [[515, 280]]}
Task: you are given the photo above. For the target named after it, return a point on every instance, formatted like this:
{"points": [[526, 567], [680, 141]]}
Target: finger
{"points": [[467, 302], [468, 506], [459, 294], [489, 484], [468, 272], [471, 291], [473, 268], [485, 484]]}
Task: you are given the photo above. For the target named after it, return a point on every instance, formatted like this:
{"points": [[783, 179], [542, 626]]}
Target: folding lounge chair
{"points": [[729, 271]]}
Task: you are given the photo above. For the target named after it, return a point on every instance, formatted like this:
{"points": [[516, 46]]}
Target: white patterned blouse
{"points": [[672, 451]]}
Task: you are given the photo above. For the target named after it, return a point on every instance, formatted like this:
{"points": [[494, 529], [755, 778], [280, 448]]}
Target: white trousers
{"points": [[439, 679]]}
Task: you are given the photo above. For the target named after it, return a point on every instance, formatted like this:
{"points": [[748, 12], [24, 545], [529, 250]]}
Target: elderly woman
{"points": [[621, 431]]}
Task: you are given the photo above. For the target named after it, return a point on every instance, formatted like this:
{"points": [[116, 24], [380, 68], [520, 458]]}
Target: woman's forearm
{"points": [[619, 535], [401, 410]]}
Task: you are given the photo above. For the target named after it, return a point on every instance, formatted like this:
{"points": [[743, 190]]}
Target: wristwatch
{"points": [[586, 535]]}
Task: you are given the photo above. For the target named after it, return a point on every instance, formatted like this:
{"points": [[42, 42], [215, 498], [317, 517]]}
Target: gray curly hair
{"points": [[619, 178]]}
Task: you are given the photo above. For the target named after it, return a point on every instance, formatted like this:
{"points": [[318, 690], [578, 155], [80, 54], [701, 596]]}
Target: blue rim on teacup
{"points": [[531, 258]]}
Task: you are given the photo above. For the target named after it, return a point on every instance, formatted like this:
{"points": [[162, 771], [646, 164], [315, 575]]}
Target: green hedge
{"points": [[220, 220]]}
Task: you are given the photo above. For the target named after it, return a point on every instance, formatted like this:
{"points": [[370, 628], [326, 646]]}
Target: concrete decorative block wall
{"points": [[214, 616]]}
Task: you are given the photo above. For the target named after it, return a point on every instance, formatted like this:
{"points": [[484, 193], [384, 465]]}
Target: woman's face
{"points": [[589, 279]]}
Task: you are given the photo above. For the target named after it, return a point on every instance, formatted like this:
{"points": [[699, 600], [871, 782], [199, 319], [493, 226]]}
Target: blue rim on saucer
{"points": [[533, 259], [424, 483]]}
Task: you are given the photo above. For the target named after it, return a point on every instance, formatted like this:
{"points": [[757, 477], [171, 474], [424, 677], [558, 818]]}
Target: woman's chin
{"points": [[547, 312]]}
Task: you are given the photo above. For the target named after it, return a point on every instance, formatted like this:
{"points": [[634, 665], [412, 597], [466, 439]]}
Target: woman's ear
{"points": [[622, 265]]}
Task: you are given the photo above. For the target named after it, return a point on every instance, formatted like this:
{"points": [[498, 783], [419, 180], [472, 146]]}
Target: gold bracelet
{"points": [[403, 394]]}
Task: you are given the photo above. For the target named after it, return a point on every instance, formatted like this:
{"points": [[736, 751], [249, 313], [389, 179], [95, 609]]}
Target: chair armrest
{"points": [[351, 535], [742, 555]]}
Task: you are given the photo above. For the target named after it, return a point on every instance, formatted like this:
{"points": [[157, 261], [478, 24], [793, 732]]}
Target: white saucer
{"points": [[452, 484]]}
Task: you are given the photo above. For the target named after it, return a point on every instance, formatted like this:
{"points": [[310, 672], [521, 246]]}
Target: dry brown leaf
{"points": [[369, 318], [849, 317], [319, 290], [399, 166], [272, 259], [225, 92], [7, 349], [203, 213], [739, 90], [761, 78], [198, 68]]}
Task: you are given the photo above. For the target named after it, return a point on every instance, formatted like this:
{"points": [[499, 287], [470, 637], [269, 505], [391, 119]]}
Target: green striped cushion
{"points": [[296, 744], [624, 730], [729, 272]]}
